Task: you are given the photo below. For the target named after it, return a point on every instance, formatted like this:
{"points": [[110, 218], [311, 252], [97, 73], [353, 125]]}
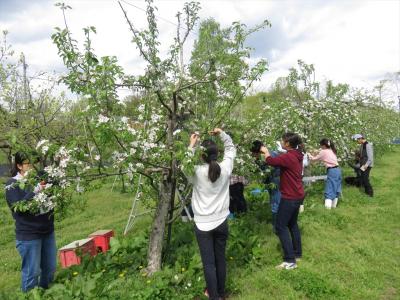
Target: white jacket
{"points": [[210, 200]]}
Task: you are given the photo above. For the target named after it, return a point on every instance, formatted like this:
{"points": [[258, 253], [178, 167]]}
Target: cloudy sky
{"points": [[357, 42]]}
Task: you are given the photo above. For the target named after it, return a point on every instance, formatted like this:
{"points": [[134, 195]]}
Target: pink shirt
{"points": [[327, 157]]}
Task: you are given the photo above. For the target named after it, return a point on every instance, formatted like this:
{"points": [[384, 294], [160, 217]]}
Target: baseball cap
{"points": [[357, 136]]}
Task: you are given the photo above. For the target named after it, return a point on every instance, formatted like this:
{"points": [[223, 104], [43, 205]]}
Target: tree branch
{"points": [[160, 99], [192, 84], [134, 32]]}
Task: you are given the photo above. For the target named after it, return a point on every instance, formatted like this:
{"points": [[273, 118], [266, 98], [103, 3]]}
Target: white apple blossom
{"points": [[41, 143], [103, 119]]}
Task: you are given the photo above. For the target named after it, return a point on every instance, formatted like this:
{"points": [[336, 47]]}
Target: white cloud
{"points": [[347, 41]]}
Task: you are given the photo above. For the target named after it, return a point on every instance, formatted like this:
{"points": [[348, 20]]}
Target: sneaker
{"points": [[286, 266]]}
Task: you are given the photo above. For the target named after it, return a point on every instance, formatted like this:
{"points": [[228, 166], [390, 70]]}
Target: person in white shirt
{"points": [[210, 202]]}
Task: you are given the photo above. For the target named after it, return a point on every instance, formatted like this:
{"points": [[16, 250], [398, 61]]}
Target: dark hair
{"points": [[294, 140], [19, 159], [328, 144], [210, 156], [256, 146]]}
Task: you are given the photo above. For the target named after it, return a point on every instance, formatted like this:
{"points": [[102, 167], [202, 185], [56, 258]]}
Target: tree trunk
{"points": [[154, 253], [166, 197]]}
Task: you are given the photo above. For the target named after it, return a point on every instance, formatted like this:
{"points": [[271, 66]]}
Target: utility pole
{"points": [[24, 66]]}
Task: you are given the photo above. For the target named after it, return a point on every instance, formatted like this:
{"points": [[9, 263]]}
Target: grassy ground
{"points": [[349, 253], [104, 210]]}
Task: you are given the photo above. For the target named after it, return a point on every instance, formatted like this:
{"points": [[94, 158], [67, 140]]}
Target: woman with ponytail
{"points": [[333, 184], [210, 202], [292, 196]]}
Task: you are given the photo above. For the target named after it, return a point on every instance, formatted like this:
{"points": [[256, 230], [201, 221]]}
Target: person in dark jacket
{"points": [[292, 196], [366, 162], [272, 180], [237, 201], [35, 240]]}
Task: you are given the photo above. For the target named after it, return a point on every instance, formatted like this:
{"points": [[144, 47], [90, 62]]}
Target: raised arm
{"points": [[229, 148]]}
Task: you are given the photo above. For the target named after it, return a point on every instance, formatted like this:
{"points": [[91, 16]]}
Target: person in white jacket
{"points": [[210, 202]]}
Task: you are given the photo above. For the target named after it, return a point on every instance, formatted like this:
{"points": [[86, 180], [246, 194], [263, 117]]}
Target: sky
{"points": [[355, 42]]}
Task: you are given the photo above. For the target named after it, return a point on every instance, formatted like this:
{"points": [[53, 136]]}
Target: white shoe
{"points": [[301, 209], [334, 202], [286, 266], [328, 203]]}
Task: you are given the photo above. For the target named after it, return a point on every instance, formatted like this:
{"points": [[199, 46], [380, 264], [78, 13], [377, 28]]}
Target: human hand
{"points": [[363, 168], [39, 187], [216, 131], [193, 139]]}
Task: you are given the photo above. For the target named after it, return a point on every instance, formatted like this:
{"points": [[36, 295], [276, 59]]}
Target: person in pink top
{"points": [[333, 184]]}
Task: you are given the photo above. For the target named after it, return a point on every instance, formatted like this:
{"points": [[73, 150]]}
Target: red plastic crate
{"points": [[69, 256], [102, 239]]}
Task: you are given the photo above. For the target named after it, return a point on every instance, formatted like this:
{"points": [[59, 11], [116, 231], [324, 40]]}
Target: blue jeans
{"points": [[39, 259], [286, 222], [274, 195], [333, 184]]}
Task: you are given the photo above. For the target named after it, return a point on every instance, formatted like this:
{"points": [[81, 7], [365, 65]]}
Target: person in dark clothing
{"points": [[237, 203], [291, 187], [354, 180], [35, 240], [366, 162], [272, 181]]}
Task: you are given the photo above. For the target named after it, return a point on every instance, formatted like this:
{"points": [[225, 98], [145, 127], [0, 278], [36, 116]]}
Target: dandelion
{"points": [[148, 281], [75, 273], [140, 267], [183, 270], [121, 275], [176, 277]]}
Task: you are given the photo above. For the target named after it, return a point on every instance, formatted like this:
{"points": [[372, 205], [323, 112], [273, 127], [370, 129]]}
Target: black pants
{"points": [[212, 246], [287, 229], [237, 201], [365, 182]]}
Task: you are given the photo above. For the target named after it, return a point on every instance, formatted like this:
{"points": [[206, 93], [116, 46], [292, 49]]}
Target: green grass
{"points": [[104, 210], [351, 252]]}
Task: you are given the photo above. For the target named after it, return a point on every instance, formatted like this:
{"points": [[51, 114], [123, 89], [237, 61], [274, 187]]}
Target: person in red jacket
{"points": [[291, 187]]}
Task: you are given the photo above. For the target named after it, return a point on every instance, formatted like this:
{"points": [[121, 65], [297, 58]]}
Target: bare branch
{"points": [[192, 84], [135, 34]]}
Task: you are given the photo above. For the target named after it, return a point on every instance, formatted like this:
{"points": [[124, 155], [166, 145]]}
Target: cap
{"points": [[357, 136]]}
